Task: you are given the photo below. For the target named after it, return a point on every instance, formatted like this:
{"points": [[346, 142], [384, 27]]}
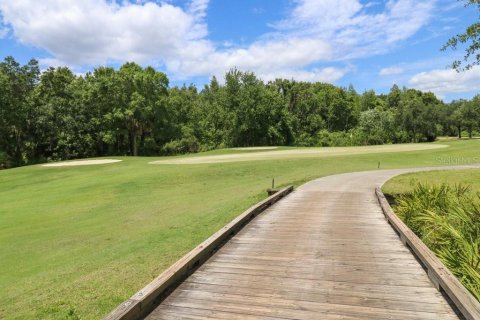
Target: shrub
{"points": [[181, 146], [3, 160], [447, 219]]}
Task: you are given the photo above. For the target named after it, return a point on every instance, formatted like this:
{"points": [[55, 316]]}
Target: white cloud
{"points": [[198, 8], [372, 4], [3, 29], [92, 32], [97, 32], [3, 32], [389, 71], [329, 74], [260, 57], [353, 32], [447, 81]]}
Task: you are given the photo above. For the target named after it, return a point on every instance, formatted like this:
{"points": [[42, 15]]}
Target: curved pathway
{"points": [[323, 252]]}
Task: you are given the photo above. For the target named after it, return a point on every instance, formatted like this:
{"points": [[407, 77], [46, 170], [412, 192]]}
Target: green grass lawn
{"points": [[406, 182], [77, 241]]}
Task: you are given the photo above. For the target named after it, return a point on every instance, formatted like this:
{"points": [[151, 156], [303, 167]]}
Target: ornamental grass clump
{"points": [[447, 219]]}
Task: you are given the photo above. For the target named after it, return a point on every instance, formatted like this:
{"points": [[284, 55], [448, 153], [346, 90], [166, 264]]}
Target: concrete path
{"points": [[323, 252]]}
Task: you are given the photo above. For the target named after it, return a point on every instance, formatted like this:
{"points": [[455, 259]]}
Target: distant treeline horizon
{"points": [[57, 115]]}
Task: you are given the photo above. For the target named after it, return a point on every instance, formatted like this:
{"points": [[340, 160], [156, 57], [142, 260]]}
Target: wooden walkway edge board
{"points": [[441, 277], [145, 300]]}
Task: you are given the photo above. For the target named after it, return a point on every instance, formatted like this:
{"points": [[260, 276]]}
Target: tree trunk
{"points": [[459, 132], [18, 158], [135, 147]]}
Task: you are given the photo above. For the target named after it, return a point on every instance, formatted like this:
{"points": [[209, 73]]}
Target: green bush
{"points": [[447, 219], [3, 160], [181, 146]]}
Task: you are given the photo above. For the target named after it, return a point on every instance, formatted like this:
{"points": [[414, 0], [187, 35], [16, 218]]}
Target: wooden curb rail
{"points": [[145, 300], [440, 276]]}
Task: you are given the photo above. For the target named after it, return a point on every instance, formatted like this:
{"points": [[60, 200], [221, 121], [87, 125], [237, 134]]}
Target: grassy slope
{"points": [[80, 240], [405, 182]]}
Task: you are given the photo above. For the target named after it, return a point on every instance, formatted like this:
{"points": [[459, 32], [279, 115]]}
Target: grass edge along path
{"points": [[443, 209], [77, 241]]}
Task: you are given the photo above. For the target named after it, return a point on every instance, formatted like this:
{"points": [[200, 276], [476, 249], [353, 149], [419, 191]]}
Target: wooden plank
{"points": [[360, 277], [336, 296], [288, 262], [167, 312], [324, 252], [446, 281], [320, 254], [148, 298], [309, 288], [317, 266], [251, 311], [272, 306]]}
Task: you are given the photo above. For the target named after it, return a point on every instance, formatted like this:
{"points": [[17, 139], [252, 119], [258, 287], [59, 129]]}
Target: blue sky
{"points": [[369, 44]]}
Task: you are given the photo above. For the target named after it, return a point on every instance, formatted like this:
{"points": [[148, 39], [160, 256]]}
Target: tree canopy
{"points": [[471, 38], [57, 115]]}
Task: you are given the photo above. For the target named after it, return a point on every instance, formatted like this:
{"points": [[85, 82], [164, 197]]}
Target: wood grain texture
{"points": [[140, 304], [324, 252]]}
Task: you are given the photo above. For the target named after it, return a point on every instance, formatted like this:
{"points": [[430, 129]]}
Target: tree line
{"points": [[57, 115]]}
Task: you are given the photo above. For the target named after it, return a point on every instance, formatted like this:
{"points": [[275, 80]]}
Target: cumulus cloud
{"points": [[3, 29], [447, 81], [390, 71], [328, 74], [354, 32], [98, 32], [3, 32], [260, 57], [315, 33]]}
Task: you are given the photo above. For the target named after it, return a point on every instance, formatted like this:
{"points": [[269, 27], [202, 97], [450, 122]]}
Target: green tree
{"points": [[16, 87], [140, 96], [470, 114], [54, 124], [394, 97], [340, 111], [377, 126], [418, 115], [216, 122], [370, 101], [471, 37]]}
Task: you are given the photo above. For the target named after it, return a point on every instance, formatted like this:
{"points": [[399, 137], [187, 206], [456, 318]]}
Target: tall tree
{"points": [[52, 118], [140, 96], [470, 114], [16, 86]]}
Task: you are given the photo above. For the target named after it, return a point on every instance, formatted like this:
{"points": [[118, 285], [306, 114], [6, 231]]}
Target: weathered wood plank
{"points": [[326, 296], [147, 298], [356, 277], [285, 307], [324, 252], [273, 282]]}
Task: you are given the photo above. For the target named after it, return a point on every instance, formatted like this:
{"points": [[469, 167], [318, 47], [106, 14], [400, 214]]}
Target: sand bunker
{"points": [[300, 153], [255, 148], [80, 163]]}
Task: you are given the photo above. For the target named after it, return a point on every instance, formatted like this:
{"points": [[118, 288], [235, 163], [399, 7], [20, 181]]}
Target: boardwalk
{"points": [[323, 252]]}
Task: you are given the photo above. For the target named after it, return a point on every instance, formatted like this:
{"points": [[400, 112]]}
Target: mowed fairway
{"points": [[77, 241], [296, 153], [406, 182]]}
